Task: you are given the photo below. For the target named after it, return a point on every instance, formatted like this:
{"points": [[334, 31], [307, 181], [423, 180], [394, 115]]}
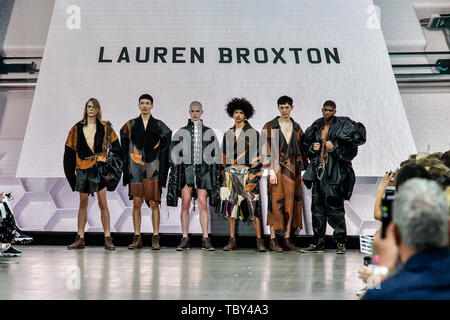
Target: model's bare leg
{"points": [[273, 243], [105, 216], [257, 226], [155, 217], [186, 195], [202, 196], [82, 213], [232, 227], [272, 233], [232, 242], [137, 216]]}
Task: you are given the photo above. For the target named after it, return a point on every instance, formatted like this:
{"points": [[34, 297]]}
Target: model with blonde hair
{"points": [[84, 160]]}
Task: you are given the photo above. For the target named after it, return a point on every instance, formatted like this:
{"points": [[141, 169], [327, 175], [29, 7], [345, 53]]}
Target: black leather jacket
{"points": [[185, 171], [346, 135], [152, 142]]}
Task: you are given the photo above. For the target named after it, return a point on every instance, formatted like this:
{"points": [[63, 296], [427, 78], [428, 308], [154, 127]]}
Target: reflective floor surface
{"points": [[53, 272]]}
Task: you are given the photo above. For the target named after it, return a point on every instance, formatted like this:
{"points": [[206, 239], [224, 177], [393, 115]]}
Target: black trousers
{"points": [[327, 206]]}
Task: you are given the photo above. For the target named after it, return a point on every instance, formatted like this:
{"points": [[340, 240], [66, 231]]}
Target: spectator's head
{"points": [[421, 155], [428, 162], [436, 155], [446, 158], [409, 171], [421, 216], [407, 162], [447, 194], [444, 182], [438, 170]]}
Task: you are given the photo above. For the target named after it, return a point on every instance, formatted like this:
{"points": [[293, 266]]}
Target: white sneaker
{"points": [[4, 247], [11, 252]]}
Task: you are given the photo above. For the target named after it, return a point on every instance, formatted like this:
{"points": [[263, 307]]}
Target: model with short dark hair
{"points": [[241, 172], [194, 173], [285, 159], [145, 147], [331, 143], [84, 158]]}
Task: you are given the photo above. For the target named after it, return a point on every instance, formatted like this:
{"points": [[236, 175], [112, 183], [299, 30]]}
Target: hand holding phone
{"points": [[386, 209]]}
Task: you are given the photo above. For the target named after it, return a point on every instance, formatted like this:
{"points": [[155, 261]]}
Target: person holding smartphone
{"points": [[418, 238], [386, 251], [396, 179]]}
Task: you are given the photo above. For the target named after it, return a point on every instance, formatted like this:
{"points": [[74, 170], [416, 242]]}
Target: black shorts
{"points": [[89, 180]]}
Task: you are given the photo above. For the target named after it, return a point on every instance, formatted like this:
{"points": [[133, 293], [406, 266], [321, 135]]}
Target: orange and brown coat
{"points": [[285, 197], [78, 155]]}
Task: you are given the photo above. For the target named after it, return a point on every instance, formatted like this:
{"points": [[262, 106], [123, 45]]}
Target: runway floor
{"points": [[53, 272]]}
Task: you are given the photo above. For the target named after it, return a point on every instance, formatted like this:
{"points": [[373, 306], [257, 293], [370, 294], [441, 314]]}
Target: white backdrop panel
{"points": [[362, 83]]}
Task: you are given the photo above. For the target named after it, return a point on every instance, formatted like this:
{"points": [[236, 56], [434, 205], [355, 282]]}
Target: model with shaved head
{"points": [[194, 173]]}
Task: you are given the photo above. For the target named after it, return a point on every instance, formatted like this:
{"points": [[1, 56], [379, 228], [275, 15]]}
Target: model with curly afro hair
{"points": [[240, 104], [241, 173]]}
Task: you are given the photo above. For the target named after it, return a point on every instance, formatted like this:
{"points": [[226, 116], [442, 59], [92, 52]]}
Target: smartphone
{"points": [[386, 209]]}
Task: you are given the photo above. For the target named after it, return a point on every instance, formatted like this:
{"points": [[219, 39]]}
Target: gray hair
{"points": [[420, 210]]}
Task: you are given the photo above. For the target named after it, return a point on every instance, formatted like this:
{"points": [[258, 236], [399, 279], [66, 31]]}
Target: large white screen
{"points": [[360, 81]]}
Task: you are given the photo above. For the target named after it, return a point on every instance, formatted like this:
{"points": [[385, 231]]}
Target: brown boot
{"points": [[78, 244], [155, 243], [109, 244], [289, 245], [260, 245], [232, 245], [137, 242], [274, 246]]}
